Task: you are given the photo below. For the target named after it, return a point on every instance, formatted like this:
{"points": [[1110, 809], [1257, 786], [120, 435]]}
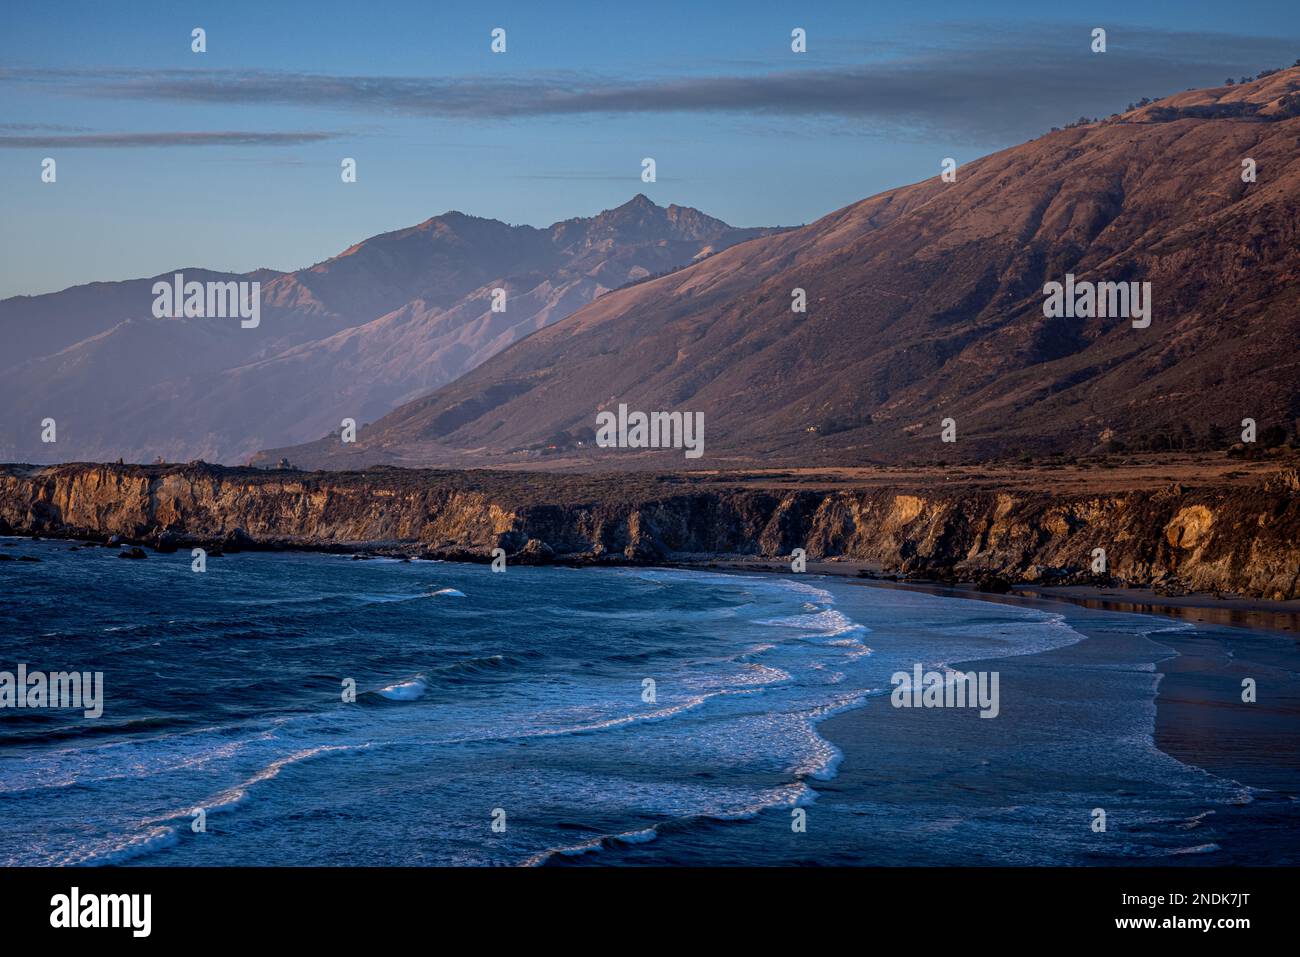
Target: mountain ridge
{"points": [[387, 319], [925, 303]]}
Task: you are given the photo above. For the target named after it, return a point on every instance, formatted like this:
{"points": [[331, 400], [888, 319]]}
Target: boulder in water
{"points": [[167, 542]]}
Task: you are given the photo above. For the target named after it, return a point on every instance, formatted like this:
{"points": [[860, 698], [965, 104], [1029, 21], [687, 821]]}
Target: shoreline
{"points": [[1238, 539], [1190, 716], [1194, 689], [1235, 610], [1197, 718], [1220, 609]]}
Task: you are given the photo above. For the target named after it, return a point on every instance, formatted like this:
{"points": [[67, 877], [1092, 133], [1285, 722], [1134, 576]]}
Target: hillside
{"points": [[926, 302], [384, 321]]}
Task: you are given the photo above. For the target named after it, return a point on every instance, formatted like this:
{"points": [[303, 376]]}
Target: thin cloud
{"points": [[579, 176], [142, 140], [984, 84], [42, 128]]}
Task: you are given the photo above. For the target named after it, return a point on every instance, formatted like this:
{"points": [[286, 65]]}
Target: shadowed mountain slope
{"points": [[926, 302]]}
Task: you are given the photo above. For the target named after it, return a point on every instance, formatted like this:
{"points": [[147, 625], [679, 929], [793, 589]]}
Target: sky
{"points": [[230, 159]]}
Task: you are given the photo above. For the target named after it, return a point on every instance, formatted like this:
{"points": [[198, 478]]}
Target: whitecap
{"points": [[407, 690]]}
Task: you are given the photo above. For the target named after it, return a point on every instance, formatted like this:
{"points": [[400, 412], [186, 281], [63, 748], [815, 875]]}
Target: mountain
{"points": [[384, 321], [926, 303]]}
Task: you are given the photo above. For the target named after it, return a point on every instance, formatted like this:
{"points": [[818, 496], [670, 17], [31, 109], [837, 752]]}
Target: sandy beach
{"points": [[1215, 609], [1199, 718], [1211, 644]]}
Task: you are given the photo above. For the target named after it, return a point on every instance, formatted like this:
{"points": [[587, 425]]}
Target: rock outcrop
{"points": [[1231, 538]]}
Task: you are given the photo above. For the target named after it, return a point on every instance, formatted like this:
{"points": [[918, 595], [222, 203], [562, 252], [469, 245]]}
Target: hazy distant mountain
{"points": [[384, 321], [927, 302]]}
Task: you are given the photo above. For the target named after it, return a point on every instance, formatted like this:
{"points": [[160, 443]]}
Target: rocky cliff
{"points": [[1231, 538]]}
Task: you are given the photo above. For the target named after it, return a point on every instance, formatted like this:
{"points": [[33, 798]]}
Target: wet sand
{"points": [[1229, 610], [1200, 718]]}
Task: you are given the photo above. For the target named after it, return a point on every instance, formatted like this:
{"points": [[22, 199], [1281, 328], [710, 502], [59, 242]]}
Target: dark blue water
{"points": [[522, 698]]}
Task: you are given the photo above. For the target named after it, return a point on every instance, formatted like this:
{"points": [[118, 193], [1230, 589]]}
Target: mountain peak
{"points": [[642, 217], [640, 201], [924, 310], [639, 207]]}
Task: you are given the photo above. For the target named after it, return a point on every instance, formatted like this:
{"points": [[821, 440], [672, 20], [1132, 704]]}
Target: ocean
{"points": [[558, 716]]}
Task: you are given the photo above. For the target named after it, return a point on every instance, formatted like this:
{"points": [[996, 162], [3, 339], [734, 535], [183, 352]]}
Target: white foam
{"points": [[119, 849], [827, 623], [408, 690]]}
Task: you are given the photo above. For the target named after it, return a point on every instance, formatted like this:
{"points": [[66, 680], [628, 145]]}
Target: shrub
{"points": [[1272, 436]]}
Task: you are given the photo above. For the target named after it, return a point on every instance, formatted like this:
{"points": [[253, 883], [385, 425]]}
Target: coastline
{"points": [[1196, 721], [1182, 699], [1216, 608], [1206, 786], [1234, 610], [1188, 708], [1198, 718], [1176, 539]]}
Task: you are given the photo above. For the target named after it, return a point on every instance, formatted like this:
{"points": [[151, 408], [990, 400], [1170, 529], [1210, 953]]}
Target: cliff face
{"points": [[1243, 539]]}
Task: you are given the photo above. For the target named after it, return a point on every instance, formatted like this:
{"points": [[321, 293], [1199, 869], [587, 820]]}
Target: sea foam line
{"points": [[166, 830]]}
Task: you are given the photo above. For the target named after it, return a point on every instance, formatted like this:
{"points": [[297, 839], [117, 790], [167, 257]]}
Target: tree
{"points": [[1272, 436]]}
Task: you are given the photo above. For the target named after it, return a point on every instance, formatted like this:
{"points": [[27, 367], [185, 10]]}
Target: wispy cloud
{"points": [[588, 176], [983, 83], [41, 128], [139, 140]]}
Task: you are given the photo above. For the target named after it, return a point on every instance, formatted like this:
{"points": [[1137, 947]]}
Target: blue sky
{"points": [[739, 126]]}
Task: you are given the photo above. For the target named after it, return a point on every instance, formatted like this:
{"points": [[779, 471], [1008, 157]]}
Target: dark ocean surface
{"points": [[521, 698]]}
